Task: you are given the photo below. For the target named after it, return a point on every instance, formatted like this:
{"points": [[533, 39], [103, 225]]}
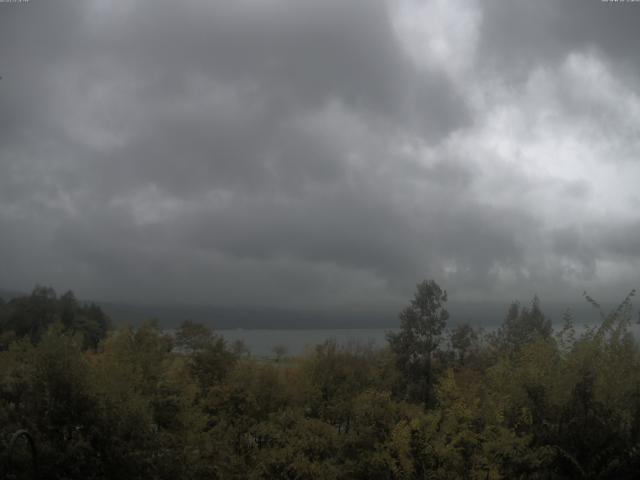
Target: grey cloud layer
{"points": [[294, 153]]}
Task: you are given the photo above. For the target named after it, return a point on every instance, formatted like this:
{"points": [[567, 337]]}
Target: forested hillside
{"points": [[439, 402]]}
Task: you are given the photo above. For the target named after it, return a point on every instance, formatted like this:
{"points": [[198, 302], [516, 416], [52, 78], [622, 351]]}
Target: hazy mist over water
{"points": [[474, 313], [261, 342]]}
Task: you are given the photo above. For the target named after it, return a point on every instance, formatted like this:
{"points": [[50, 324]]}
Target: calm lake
{"points": [[261, 342], [296, 341]]}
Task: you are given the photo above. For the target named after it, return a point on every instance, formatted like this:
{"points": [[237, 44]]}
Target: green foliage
{"points": [[524, 403], [524, 325], [464, 340], [30, 317], [193, 337], [421, 327]]}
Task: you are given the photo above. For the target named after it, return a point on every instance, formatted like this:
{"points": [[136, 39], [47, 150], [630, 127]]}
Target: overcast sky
{"points": [[320, 153]]}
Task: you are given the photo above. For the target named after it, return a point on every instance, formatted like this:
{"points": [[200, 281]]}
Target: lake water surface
{"points": [[296, 342]]}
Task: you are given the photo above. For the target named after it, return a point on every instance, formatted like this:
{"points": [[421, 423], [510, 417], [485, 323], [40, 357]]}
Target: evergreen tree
{"points": [[421, 326]]}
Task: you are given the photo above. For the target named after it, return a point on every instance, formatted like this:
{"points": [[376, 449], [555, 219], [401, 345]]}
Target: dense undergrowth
{"points": [[523, 402]]}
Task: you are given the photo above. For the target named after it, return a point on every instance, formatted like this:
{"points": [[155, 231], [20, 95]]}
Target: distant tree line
{"points": [[32, 315], [521, 402]]}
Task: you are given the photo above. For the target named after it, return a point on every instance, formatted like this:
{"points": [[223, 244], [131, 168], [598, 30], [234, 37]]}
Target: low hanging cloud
{"points": [[306, 154]]}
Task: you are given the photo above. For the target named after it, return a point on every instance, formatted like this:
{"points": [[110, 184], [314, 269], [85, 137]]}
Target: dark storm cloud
{"points": [[298, 153], [519, 35], [622, 240]]}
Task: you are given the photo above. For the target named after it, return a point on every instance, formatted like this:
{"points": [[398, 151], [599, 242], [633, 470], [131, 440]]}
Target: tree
{"points": [[92, 323], [240, 349], [463, 338], [279, 351], [524, 325], [31, 316], [211, 363], [192, 336], [421, 326]]}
